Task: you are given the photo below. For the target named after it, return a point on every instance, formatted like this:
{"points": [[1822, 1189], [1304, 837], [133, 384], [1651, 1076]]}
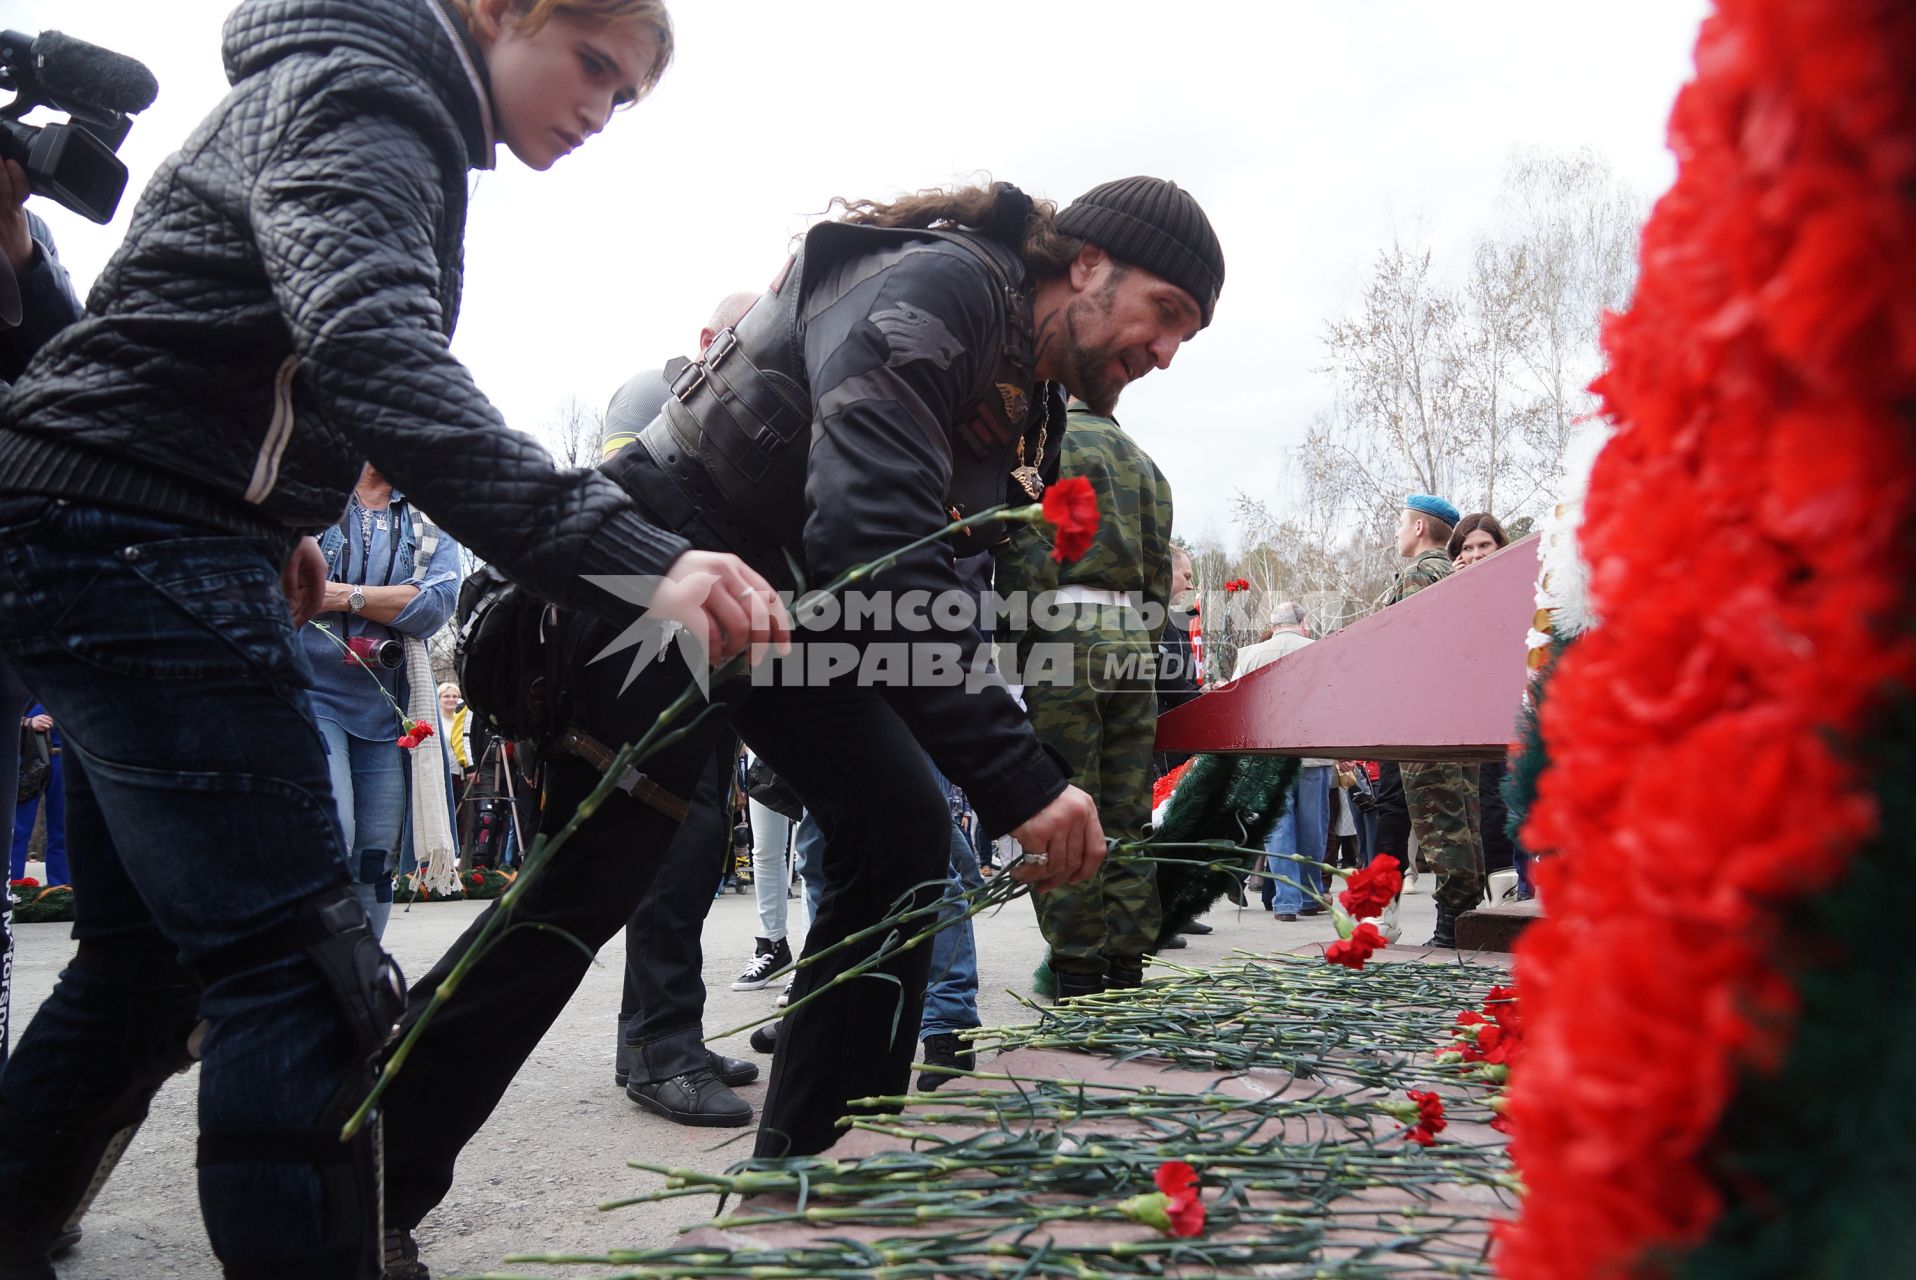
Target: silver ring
{"points": [[1036, 859]]}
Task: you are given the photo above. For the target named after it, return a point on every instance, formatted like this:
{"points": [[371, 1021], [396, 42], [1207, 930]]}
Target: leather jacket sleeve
{"points": [[48, 303], [344, 211], [891, 358]]}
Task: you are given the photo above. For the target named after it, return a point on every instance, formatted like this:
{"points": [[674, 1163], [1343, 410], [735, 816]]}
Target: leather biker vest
{"points": [[729, 451]]}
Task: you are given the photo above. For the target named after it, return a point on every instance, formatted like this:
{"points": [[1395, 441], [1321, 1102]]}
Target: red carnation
{"points": [[1175, 1178], [1430, 1118], [1351, 952], [1372, 889], [1071, 507], [1178, 1180], [1174, 1208]]}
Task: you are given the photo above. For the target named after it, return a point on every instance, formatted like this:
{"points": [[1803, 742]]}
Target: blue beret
{"points": [[1431, 505]]}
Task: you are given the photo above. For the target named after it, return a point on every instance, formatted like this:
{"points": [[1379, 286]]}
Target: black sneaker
{"points": [[402, 1257], [767, 960], [945, 1050], [765, 1038], [697, 1098], [732, 1072]]}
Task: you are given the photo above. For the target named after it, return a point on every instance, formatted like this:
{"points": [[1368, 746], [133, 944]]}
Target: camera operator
{"points": [[391, 579], [47, 301]]}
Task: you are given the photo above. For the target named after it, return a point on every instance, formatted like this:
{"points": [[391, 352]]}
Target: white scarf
{"points": [[432, 839]]}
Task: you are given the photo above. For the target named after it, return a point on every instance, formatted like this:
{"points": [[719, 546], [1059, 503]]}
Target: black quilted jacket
{"points": [[281, 308]]}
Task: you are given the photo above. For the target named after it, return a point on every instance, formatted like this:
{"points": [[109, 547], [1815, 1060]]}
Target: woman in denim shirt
{"points": [[375, 591]]}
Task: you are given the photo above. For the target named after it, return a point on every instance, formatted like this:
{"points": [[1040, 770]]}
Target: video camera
{"points": [[72, 162]]}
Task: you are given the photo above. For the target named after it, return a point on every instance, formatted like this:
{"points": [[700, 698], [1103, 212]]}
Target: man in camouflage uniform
{"points": [[1100, 714], [1441, 795]]}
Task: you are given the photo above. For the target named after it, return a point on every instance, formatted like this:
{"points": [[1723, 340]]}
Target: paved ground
{"points": [[531, 1179]]}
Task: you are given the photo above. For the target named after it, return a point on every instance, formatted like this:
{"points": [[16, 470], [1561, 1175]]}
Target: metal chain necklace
{"points": [[1026, 473]]}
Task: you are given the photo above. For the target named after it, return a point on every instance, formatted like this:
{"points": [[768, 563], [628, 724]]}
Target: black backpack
{"points": [[504, 657]]}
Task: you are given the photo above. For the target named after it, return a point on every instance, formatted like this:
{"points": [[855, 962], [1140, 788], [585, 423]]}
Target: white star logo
{"points": [[650, 637]]}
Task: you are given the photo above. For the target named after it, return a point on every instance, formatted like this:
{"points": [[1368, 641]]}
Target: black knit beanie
{"points": [[1153, 224]]}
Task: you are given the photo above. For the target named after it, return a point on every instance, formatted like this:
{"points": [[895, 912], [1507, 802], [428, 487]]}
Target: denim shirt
{"points": [[348, 694]]}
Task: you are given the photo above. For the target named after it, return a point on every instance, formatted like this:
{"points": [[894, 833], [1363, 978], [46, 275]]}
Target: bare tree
{"points": [[1497, 324], [1577, 226], [1400, 372], [573, 432]]}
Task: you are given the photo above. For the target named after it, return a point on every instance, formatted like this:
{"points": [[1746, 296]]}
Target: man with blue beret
{"points": [[1441, 795]]}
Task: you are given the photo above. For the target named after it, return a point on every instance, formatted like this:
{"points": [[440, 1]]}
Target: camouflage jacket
{"points": [[1430, 566], [1132, 551]]}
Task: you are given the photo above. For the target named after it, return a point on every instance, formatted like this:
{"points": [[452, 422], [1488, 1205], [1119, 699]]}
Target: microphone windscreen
{"points": [[85, 75]]}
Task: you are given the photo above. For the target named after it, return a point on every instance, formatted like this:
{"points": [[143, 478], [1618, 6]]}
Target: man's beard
{"points": [[1090, 378]]}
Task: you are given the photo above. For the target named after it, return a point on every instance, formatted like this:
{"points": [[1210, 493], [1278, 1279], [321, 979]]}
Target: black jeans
{"points": [[663, 1004], [870, 788], [588, 891], [1392, 815], [859, 770]]}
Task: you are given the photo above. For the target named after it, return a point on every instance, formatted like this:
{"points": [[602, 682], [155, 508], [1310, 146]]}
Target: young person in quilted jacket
{"points": [[278, 315]]}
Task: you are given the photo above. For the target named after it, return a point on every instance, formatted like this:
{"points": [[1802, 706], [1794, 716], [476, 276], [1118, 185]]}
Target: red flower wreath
{"points": [[1748, 534]]}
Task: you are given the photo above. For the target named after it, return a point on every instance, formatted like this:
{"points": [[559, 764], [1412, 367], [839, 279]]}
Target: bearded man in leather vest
{"points": [[907, 366]]}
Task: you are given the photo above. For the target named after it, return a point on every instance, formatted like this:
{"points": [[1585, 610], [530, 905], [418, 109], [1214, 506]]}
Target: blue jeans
{"points": [[808, 859], [951, 994], [369, 788], [56, 798], [199, 815], [1303, 829]]}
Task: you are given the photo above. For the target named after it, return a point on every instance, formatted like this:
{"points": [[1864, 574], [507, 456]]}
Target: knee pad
{"points": [[331, 932], [67, 1162]]}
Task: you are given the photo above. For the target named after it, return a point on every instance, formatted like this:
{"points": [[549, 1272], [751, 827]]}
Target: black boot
{"points": [[765, 1038], [1077, 984], [1446, 932], [402, 1257], [732, 1072], [697, 1098], [672, 1075], [945, 1050], [1124, 975]]}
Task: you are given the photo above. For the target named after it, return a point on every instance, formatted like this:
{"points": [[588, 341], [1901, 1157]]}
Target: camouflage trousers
{"points": [[1447, 820], [1103, 720]]}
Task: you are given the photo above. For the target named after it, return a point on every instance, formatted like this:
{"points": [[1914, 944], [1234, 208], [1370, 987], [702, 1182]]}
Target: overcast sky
{"points": [[1308, 129]]}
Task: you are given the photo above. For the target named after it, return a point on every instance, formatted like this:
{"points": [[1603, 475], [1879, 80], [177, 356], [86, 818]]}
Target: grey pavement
{"points": [[557, 1146]]}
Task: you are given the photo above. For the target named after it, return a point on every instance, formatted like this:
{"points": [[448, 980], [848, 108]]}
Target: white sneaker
{"points": [[785, 996], [1387, 923]]}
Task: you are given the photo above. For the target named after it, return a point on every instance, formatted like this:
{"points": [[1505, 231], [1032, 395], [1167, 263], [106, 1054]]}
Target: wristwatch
{"points": [[356, 601]]}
